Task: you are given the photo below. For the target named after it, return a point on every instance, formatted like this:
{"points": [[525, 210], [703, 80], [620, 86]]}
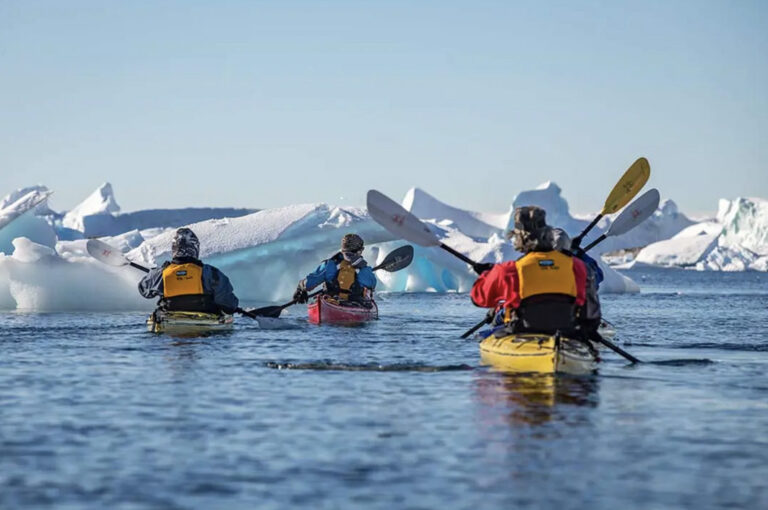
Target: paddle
{"points": [[402, 223], [396, 260], [595, 336], [625, 190], [632, 215], [111, 256]]}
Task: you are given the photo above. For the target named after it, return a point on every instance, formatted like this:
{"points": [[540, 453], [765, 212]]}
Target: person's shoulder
{"points": [[507, 265], [212, 269]]}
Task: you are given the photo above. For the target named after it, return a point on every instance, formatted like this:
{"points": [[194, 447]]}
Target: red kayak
{"points": [[327, 310]]}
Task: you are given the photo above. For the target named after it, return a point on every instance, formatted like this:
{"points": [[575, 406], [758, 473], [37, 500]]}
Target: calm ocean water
{"points": [[95, 413]]}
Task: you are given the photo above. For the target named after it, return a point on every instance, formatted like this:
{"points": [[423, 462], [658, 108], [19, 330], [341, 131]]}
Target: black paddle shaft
{"points": [[476, 327], [577, 241], [457, 254]]}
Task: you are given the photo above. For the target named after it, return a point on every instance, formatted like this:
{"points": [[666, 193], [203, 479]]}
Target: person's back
{"points": [[346, 275], [543, 289], [187, 284]]}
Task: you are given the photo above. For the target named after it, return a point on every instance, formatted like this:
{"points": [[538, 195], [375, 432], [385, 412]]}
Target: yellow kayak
{"points": [[188, 323], [538, 353]]}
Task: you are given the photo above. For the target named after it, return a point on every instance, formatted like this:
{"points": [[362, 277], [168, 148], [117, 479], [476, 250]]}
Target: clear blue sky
{"points": [[261, 104]]}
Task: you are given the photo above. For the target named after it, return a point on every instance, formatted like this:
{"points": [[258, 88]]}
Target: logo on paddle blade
{"points": [[106, 253], [398, 219], [635, 213]]}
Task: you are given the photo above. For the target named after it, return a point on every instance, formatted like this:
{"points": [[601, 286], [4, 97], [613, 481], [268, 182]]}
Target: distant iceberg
{"points": [[736, 240]]}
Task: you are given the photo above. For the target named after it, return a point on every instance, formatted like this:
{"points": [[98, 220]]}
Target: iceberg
{"points": [[265, 253], [37, 278], [99, 203], [99, 215], [736, 240], [19, 217]]}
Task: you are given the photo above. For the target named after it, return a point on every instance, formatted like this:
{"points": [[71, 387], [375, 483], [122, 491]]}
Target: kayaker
{"points": [[346, 275], [543, 291], [186, 284]]}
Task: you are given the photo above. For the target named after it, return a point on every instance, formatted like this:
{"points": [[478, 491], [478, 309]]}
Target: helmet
{"points": [[352, 243], [185, 244]]}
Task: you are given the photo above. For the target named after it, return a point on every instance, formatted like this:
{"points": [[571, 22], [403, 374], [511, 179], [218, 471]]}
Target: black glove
{"points": [[300, 296], [482, 267]]}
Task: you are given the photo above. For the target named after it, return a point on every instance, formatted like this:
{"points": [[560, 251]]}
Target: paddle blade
{"points": [[393, 217], [105, 253], [267, 311], [628, 186], [635, 213], [397, 259]]}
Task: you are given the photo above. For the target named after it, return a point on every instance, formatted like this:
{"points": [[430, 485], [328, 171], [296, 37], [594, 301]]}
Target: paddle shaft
{"points": [[577, 241], [139, 267], [476, 327], [595, 242], [457, 254], [595, 336]]}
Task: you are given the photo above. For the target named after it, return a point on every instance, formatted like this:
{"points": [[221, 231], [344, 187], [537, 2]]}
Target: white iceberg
{"points": [[18, 217], [736, 240], [266, 253], [99, 215]]}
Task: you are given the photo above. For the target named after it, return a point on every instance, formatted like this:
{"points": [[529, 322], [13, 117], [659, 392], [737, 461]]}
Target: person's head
{"points": [[530, 232], [352, 246], [185, 244]]}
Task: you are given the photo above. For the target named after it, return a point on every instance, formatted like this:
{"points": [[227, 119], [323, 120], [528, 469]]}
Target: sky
{"points": [[262, 104]]}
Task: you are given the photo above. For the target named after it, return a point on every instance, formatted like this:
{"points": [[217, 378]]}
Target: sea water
{"points": [[95, 412]]}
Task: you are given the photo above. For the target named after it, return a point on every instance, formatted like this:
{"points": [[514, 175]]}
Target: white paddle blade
{"points": [[393, 217], [105, 253], [635, 213]]}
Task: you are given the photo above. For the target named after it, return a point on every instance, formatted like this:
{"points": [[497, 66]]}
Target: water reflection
{"points": [[535, 399]]}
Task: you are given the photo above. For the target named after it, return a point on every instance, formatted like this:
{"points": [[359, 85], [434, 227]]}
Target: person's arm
{"points": [[366, 278], [152, 284], [219, 285], [498, 284], [317, 276]]}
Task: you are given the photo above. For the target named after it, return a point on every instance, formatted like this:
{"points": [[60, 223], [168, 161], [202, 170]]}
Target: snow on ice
{"points": [[736, 240], [44, 265]]}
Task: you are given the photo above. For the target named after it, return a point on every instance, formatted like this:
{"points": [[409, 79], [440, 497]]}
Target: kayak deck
{"points": [[326, 310], [538, 353], [188, 323]]}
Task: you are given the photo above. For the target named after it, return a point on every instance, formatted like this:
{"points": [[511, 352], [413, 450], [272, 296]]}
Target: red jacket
{"points": [[502, 284]]}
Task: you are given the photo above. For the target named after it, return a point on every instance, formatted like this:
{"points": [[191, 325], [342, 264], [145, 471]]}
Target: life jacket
{"points": [[345, 286], [547, 289], [183, 288]]}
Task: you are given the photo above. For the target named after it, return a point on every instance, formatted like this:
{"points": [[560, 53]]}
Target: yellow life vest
{"points": [[546, 272], [346, 278], [182, 280]]}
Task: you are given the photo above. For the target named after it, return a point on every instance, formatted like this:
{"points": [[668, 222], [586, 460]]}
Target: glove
{"points": [[482, 267], [300, 296]]}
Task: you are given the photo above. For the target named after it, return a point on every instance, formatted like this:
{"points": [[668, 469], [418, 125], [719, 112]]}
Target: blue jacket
{"points": [[215, 283], [327, 272], [592, 265]]}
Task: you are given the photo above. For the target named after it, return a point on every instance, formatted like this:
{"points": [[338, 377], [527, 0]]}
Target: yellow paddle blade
{"points": [[630, 183]]}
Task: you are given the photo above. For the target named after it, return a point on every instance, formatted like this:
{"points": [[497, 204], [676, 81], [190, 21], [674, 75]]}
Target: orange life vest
{"points": [[546, 272], [182, 280], [345, 279]]}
